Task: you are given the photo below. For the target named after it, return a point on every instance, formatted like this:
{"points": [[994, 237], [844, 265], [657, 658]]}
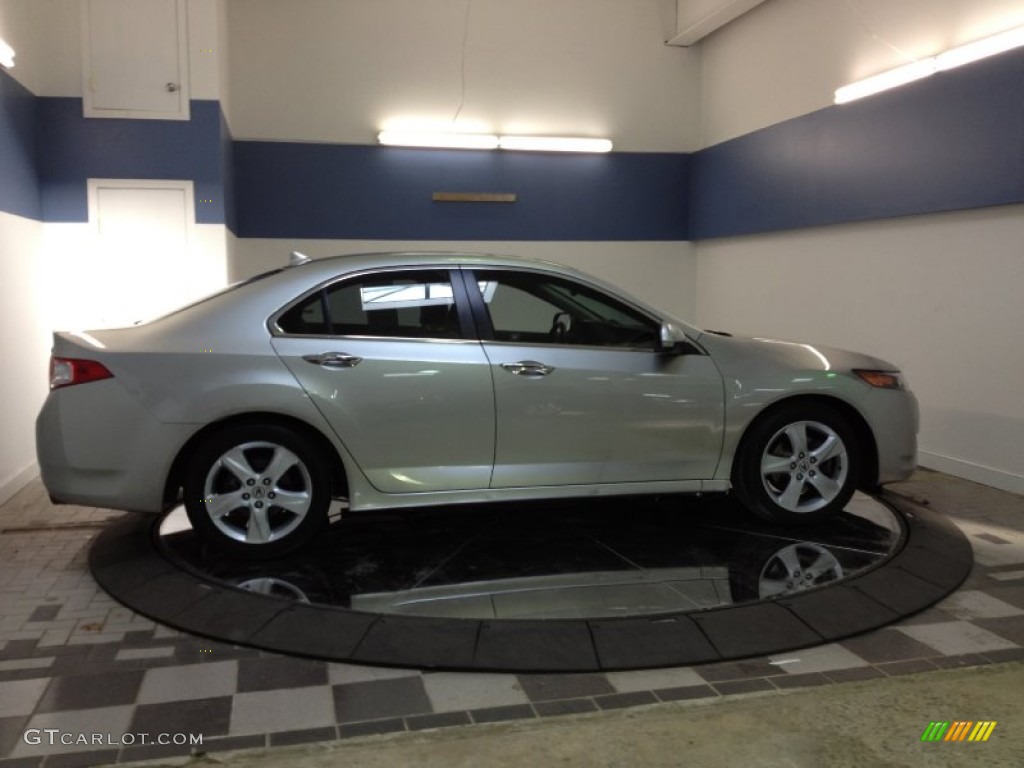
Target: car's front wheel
{"points": [[257, 490], [799, 463]]}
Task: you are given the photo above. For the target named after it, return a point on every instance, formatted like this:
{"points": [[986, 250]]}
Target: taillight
{"points": [[66, 371]]}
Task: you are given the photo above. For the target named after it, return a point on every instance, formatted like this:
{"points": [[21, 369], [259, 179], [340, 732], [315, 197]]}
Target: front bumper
{"points": [[894, 419]]}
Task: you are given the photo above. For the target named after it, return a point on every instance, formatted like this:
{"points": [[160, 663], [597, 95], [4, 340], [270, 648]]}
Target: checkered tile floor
{"points": [[77, 667]]}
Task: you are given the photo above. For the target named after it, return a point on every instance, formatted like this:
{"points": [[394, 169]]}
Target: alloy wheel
{"points": [[804, 466], [257, 492]]}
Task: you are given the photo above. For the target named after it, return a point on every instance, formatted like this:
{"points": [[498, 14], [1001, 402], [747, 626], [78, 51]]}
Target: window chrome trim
{"points": [[406, 339], [584, 347]]}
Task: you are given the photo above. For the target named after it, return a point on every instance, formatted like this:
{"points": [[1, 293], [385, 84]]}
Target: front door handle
{"points": [[528, 368], [333, 360]]}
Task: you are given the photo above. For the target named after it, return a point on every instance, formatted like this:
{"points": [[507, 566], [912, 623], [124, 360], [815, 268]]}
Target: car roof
{"points": [[358, 261]]}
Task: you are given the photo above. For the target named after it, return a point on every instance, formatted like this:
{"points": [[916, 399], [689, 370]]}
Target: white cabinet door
{"points": [[135, 59]]}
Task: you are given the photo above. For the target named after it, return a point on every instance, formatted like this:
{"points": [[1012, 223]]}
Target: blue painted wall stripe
{"points": [[339, 191], [19, 181], [73, 148], [953, 141]]}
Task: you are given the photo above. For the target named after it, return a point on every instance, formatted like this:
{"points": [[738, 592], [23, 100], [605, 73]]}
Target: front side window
{"points": [[415, 305], [531, 308]]}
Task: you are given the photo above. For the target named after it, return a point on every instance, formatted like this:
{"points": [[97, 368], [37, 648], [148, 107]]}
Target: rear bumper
{"points": [[97, 446]]}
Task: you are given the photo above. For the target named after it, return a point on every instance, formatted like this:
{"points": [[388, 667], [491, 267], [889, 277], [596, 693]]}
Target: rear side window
{"points": [[306, 318], [417, 304]]}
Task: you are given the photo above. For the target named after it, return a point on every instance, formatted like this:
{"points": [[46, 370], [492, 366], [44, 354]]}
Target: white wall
{"points": [[18, 29], [72, 258], [223, 59], [207, 40], [46, 35], [25, 345], [341, 70], [661, 274], [938, 295], [787, 57], [23, 387]]}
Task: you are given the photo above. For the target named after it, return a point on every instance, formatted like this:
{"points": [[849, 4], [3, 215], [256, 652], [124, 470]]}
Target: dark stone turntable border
{"points": [[934, 559]]}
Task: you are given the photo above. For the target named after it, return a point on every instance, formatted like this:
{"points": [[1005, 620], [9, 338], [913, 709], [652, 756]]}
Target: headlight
{"points": [[882, 379]]}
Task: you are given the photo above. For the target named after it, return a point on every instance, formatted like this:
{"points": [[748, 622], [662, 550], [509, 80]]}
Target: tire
{"points": [[257, 491], [799, 463]]}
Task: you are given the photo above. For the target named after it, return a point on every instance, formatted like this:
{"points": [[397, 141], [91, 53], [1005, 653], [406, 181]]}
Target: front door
{"points": [[582, 394]]}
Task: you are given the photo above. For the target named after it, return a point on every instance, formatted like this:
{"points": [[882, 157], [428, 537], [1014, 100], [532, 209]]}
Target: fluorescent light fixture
{"points": [[6, 55], [490, 141], [980, 49], [886, 80], [955, 57], [554, 144], [438, 140]]}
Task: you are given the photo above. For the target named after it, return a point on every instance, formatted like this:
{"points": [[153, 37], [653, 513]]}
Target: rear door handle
{"points": [[529, 368], [333, 360]]}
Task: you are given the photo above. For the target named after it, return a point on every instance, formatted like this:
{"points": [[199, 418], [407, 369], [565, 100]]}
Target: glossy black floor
{"points": [[568, 586], [575, 559]]}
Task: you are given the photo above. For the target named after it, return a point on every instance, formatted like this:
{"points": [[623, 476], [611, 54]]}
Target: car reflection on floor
{"points": [[573, 559]]}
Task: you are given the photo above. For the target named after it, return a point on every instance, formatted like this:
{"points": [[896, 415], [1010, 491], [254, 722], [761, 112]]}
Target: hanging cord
{"points": [[871, 33], [465, 45]]}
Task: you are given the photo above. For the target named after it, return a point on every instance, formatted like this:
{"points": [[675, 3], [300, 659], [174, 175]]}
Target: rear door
{"points": [[391, 359]]}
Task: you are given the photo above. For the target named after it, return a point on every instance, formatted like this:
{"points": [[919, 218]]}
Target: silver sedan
{"points": [[413, 379]]}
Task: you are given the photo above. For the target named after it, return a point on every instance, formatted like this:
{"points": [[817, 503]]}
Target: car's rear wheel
{"points": [[799, 463], [257, 490]]}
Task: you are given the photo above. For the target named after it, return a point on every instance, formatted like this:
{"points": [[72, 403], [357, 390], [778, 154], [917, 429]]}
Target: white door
{"points": [[134, 58], [142, 265]]}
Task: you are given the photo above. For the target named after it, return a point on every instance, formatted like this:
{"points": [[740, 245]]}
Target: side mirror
{"points": [[673, 341], [561, 324]]}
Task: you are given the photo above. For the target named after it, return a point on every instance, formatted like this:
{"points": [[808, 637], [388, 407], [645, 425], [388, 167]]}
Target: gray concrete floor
{"points": [[860, 725]]}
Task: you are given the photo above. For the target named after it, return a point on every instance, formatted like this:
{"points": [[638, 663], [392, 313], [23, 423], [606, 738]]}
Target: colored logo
{"points": [[959, 730]]}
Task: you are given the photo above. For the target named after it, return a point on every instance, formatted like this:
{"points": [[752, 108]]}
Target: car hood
{"points": [[735, 354]]}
